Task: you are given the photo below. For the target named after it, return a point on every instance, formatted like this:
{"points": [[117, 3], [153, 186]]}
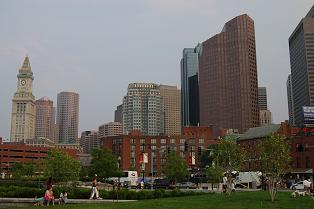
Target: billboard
{"points": [[308, 116]]}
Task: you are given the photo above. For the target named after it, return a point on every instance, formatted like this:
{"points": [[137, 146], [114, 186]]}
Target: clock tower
{"points": [[23, 105]]}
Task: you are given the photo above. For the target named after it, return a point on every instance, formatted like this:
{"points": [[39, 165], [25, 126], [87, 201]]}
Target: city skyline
{"points": [[64, 69]]}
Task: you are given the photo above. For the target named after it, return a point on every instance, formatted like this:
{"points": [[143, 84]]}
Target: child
{"points": [[39, 200], [63, 198]]}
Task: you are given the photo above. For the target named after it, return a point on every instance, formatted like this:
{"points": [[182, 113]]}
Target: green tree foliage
{"points": [[22, 170], [227, 156], [214, 174], [61, 167], [104, 164], [175, 167], [274, 160]]}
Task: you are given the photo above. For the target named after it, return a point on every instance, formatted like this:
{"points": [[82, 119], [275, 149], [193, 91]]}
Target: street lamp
{"points": [[119, 174]]}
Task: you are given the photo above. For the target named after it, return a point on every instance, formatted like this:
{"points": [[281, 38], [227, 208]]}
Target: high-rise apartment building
{"points": [[189, 87], [23, 105], [89, 141], [45, 119], [68, 117], [110, 129], [142, 109], [171, 99], [228, 77], [290, 100], [301, 47], [118, 114]]}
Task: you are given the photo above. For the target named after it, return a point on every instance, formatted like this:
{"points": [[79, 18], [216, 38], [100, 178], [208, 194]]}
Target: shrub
{"points": [[83, 193]]}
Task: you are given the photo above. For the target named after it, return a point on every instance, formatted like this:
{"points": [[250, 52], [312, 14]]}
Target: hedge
{"points": [[83, 193]]}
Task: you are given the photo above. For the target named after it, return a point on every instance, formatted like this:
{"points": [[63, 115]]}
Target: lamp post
{"points": [[119, 165], [152, 169], [119, 174]]}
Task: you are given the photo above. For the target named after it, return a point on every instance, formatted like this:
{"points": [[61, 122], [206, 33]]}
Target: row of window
{"points": [[172, 141]]}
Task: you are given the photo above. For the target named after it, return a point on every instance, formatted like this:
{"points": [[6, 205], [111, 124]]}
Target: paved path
{"points": [[70, 201]]}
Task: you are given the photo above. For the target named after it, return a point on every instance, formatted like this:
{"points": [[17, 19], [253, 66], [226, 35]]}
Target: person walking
{"points": [[94, 190]]}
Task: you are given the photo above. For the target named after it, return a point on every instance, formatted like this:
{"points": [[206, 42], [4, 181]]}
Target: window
{"points": [[201, 141], [182, 141], [153, 141], [142, 141], [132, 141], [192, 141], [172, 141], [163, 141]]}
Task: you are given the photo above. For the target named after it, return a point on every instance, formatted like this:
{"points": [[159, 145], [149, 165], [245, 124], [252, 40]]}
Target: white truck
{"points": [[128, 178]]}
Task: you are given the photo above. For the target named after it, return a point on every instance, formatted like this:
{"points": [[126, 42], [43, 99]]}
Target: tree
{"points": [[61, 167], [104, 163], [175, 167], [214, 174], [22, 170], [274, 160], [228, 156]]}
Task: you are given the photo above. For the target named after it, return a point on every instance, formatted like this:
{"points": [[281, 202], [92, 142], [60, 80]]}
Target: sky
{"points": [[97, 47]]}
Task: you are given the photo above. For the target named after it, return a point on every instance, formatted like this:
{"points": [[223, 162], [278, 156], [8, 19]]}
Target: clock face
{"points": [[23, 82]]}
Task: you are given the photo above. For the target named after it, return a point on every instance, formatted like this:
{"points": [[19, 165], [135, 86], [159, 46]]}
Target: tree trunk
{"points": [[229, 182], [272, 188]]}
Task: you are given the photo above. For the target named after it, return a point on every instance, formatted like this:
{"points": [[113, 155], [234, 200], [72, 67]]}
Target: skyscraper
{"points": [[171, 99], [290, 100], [262, 98], [189, 87], [264, 113], [301, 47], [45, 119], [67, 117], [228, 77], [118, 114], [142, 109], [23, 105]]}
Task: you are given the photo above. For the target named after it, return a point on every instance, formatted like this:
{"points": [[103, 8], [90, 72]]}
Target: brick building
{"points": [[189, 145], [11, 153], [301, 141]]}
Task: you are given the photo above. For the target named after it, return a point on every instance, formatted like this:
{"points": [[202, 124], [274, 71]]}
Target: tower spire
{"points": [[26, 64]]}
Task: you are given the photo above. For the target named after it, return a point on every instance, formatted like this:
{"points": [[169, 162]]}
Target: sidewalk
{"points": [[70, 201]]}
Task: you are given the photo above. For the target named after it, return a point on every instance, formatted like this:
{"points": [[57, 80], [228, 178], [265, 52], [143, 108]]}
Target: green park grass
{"points": [[238, 200]]}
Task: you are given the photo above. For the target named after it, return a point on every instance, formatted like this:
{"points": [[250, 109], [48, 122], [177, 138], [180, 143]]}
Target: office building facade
{"points": [[118, 114], [67, 117], [45, 119], [301, 48], [189, 87], [171, 100], [228, 85], [290, 100]]}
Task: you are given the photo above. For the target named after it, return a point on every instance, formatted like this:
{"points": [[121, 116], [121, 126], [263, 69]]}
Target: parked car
{"points": [[163, 184], [186, 185], [298, 186]]}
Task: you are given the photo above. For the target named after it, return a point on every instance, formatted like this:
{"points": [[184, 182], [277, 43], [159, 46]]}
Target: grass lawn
{"points": [[240, 200]]}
